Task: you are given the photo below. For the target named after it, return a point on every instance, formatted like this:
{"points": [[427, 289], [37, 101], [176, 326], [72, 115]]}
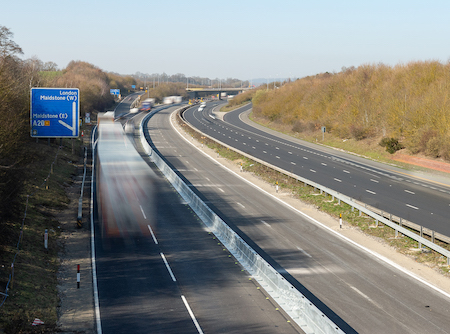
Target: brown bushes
{"points": [[404, 102]]}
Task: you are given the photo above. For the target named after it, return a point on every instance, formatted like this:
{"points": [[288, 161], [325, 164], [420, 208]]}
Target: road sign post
{"points": [[55, 112]]}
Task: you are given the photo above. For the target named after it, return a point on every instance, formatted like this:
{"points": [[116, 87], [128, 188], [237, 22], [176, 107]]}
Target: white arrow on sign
{"points": [[74, 119]]}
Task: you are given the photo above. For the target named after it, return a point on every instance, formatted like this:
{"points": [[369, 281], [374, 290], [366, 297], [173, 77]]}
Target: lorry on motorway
{"points": [[147, 104], [172, 99]]}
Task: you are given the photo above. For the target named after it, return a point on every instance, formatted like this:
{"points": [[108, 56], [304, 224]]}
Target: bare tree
{"points": [[7, 46]]}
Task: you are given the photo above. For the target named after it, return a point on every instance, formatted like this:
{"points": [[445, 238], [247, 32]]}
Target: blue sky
{"points": [[239, 39]]}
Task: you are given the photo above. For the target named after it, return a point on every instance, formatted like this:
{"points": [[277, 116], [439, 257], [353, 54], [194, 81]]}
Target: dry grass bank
{"points": [[408, 103]]}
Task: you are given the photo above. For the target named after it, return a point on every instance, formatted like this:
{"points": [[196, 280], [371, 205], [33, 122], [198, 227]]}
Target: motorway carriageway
{"points": [[419, 200], [177, 278], [366, 294]]}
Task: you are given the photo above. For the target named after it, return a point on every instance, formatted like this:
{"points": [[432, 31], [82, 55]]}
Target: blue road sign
{"points": [[55, 112], [133, 86], [114, 91]]}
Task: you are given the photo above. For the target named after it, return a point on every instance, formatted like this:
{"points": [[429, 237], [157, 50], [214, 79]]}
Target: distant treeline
{"points": [[404, 106]]}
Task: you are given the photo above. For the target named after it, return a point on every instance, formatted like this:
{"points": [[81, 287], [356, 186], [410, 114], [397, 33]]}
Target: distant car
{"points": [[200, 108]]}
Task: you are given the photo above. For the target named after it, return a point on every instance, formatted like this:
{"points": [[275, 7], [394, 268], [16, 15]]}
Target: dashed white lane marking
{"points": [[168, 267], [371, 192], [265, 223], [410, 192], [199, 329], [412, 206], [376, 181], [337, 180], [301, 250], [143, 213], [153, 235]]}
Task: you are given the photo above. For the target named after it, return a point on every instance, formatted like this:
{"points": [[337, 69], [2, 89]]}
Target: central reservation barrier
{"points": [[294, 303]]}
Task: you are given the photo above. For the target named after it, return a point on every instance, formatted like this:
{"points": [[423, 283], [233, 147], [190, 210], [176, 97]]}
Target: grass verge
{"points": [[33, 289], [327, 204]]}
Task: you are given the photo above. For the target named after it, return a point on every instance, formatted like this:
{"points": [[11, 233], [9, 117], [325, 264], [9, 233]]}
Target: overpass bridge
{"points": [[195, 93]]}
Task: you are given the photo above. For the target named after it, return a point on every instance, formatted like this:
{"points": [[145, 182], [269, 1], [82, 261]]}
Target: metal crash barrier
{"points": [[293, 302]]}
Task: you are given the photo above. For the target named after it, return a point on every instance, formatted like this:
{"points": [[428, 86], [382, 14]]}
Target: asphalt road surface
{"points": [[355, 288], [177, 278], [415, 199]]}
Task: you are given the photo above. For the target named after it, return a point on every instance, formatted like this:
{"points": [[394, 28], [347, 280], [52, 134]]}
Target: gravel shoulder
{"points": [[76, 309]]}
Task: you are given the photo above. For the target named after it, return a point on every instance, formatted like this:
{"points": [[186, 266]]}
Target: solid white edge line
{"points": [[94, 268], [168, 267], [380, 257], [199, 329], [153, 236]]}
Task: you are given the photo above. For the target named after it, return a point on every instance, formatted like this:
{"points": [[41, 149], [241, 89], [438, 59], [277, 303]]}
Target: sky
{"points": [[244, 39]]}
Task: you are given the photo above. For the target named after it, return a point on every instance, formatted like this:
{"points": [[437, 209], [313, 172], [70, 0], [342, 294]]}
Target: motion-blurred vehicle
{"points": [[172, 99], [147, 104], [125, 183]]}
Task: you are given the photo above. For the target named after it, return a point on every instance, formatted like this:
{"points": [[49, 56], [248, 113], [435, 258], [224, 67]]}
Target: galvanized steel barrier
{"points": [[293, 302], [398, 228]]}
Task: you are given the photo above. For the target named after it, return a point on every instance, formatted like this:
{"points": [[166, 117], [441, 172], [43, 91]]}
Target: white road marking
{"points": [[346, 171], [301, 250], [410, 192], [277, 157], [293, 163], [240, 204], [337, 180], [376, 181], [290, 152], [324, 164], [267, 224], [221, 190], [305, 158], [143, 213], [412, 207], [371, 192], [318, 223], [153, 235], [365, 296], [312, 170], [199, 329], [168, 267]]}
